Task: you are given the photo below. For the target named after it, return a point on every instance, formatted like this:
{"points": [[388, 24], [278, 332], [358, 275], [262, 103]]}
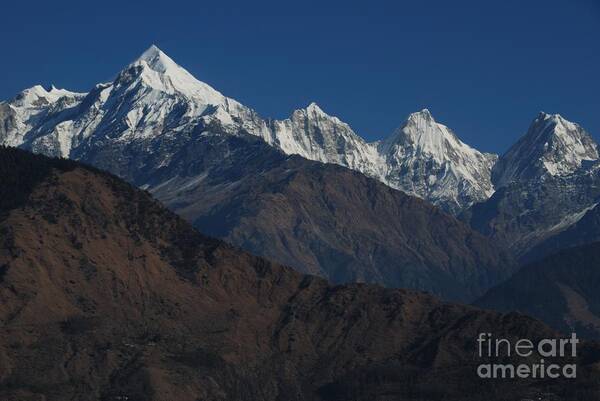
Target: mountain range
{"points": [[172, 249], [154, 97], [284, 189], [107, 295]]}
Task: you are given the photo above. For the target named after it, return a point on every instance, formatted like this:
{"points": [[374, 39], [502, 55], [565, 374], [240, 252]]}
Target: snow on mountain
{"points": [[545, 183], [153, 103], [152, 96], [155, 96], [33, 110], [427, 159], [161, 73], [315, 135], [552, 146]]}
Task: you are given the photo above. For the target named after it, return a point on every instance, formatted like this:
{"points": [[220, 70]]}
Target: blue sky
{"points": [[484, 68]]}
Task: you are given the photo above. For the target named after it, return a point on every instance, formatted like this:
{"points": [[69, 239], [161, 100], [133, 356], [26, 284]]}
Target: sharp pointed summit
{"points": [[313, 109], [427, 136], [156, 59], [160, 72], [427, 159], [314, 106], [424, 114], [552, 146], [151, 52]]}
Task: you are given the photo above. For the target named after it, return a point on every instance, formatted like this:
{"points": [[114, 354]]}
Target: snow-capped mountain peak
{"points": [[31, 109], [150, 97], [424, 135], [159, 72], [38, 94], [316, 135], [552, 146], [314, 107], [153, 99], [554, 120], [423, 115], [315, 112], [154, 103], [427, 159], [157, 60]]}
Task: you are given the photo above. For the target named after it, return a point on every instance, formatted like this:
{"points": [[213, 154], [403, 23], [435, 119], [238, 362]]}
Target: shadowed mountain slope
{"points": [[561, 290], [325, 219], [106, 295]]}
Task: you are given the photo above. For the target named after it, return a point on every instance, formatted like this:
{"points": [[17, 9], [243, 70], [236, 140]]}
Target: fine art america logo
{"points": [[492, 348]]}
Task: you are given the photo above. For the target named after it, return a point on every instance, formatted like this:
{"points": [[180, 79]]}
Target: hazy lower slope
{"points": [[525, 214], [586, 230], [561, 290]]}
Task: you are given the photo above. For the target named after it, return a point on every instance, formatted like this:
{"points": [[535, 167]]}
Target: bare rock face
{"points": [[107, 295]]}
